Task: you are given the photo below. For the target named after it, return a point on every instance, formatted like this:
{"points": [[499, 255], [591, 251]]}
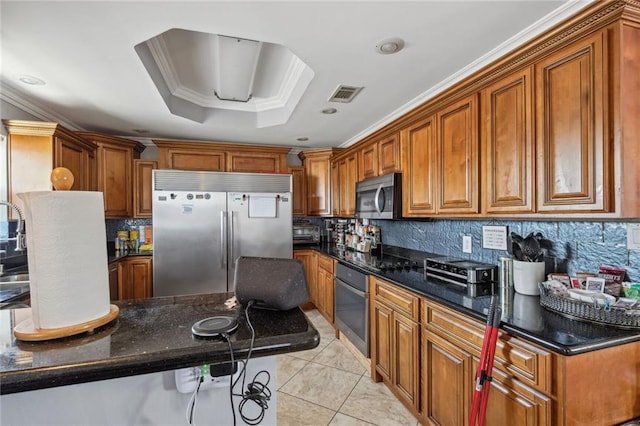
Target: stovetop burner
{"points": [[390, 263], [385, 262]]}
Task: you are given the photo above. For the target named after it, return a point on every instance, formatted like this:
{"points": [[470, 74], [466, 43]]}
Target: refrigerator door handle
{"points": [[231, 242], [223, 239]]}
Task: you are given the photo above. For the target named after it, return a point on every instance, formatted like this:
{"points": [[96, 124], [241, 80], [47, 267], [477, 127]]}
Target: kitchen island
{"points": [[150, 336]]}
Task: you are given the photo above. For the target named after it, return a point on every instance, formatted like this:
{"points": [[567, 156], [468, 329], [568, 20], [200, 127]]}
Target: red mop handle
{"points": [[489, 366], [478, 382]]}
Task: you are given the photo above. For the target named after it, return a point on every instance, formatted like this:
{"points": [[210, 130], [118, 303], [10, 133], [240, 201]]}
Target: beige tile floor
{"points": [[328, 385]]}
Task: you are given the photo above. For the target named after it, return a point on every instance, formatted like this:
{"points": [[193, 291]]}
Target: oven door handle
{"points": [[349, 288]]}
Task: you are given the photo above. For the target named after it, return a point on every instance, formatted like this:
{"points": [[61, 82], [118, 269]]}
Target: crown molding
{"points": [[560, 14], [12, 95]]}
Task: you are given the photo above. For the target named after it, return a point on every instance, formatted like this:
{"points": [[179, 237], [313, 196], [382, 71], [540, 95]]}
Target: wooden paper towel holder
{"points": [[62, 180], [28, 332]]}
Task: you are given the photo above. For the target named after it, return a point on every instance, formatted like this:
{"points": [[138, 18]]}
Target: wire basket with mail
{"points": [[590, 305]]}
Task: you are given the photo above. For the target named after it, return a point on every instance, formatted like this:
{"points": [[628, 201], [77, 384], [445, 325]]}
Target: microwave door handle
{"points": [[377, 199]]}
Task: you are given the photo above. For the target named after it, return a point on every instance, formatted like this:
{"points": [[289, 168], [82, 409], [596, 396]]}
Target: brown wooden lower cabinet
{"points": [[325, 284], [395, 341], [113, 281], [427, 355], [531, 386], [446, 381], [309, 260], [135, 277]]}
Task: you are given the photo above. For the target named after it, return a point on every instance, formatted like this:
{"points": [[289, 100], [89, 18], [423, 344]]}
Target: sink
{"points": [[13, 281]]}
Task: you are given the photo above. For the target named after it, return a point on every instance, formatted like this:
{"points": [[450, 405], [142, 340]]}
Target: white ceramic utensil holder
{"points": [[526, 276]]}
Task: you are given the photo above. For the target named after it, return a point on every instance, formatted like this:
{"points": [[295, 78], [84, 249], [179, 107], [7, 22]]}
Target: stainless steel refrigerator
{"points": [[203, 221]]}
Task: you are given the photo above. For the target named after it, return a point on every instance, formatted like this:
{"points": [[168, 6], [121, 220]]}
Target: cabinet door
{"points": [[507, 113], [142, 187], [572, 140], [299, 191], [196, 161], [115, 179], [135, 278], [336, 199], [406, 350], [73, 157], [348, 172], [329, 292], [457, 133], [246, 162], [113, 281], [306, 257], [389, 155], [513, 403], [322, 282], [318, 186], [446, 382], [418, 149], [382, 345], [369, 161]]}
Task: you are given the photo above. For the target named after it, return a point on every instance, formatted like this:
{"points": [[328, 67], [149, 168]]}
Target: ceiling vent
{"points": [[344, 94]]}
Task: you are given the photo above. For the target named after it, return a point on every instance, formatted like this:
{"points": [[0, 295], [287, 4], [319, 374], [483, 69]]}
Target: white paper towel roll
{"points": [[67, 256]]}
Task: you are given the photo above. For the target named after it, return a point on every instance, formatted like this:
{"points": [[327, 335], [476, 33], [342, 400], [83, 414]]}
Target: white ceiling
{"points": [[84, 51]]}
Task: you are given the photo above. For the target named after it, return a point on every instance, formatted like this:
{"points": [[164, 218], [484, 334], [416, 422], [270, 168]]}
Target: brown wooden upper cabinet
{"points": [[299, 190], [419, 168], [380, 157], [458, 156], [35, 148], [143, 187], [115, 172], [572, 139], [507, 140], [344, 173], [317, 169], [214, 156], [440, 162]]}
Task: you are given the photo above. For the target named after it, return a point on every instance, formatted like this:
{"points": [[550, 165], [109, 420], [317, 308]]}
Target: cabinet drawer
{"points": [[514, 356], [325, 263], [398, 299]]}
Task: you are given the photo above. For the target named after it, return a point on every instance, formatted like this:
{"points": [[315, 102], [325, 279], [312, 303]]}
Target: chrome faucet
{"points": [[20, 239]]}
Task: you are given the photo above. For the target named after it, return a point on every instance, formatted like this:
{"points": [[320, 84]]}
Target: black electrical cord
{"points": [[257, 392], [231, 383]]}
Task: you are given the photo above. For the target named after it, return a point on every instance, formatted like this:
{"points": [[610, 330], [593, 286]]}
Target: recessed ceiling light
{"points": [[302, 139], [33, 81], [389, 46], [329, 111]]}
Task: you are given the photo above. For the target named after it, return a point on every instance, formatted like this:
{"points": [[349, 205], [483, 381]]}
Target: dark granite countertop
{"points": [[115, 255], [522, 315], [149, 335]]}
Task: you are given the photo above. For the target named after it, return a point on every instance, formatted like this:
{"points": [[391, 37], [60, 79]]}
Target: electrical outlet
{"points": [[466, 244], [633, 236], [187, 379]]}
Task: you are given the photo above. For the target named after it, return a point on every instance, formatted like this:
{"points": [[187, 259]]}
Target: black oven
{"points": [[379, 197], [352, 306]]}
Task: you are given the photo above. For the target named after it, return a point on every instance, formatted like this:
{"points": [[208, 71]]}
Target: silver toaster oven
{"points": [[305, 233]]}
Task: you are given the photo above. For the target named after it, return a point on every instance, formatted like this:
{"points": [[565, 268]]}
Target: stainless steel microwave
{"points": [[379, 197]]}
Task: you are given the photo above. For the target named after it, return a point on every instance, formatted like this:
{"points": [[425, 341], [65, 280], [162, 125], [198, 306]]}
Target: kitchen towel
{"points": [[67, 257]]}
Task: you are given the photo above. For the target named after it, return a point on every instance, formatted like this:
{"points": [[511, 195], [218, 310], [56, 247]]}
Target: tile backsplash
{"points": [[573, 246], [115, 225]]}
